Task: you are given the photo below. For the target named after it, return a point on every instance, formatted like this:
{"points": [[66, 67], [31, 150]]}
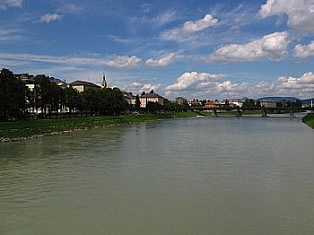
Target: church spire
{"points": [[104, 82]]}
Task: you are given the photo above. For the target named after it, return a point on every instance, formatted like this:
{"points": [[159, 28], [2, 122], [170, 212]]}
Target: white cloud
{"points": [[163, 61], [185, 32], [149, 87], [164, 18], [300, 13], [9, 34], [4, 4], [48, 18], [199, 25], [122, 62], [272, 46], [304, 50], [302, 87], [137, 87], [192, 80], [205, 86], [212, 86]]}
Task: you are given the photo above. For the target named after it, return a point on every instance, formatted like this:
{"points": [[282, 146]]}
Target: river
{"points": [[184, 176]]}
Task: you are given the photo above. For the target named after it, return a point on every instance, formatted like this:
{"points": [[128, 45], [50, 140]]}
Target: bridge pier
{"points": [[264, 113], [238, 113], [215, 113]]}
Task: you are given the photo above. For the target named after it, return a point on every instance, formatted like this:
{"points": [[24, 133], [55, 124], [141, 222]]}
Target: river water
{"points": [[183, 176]]}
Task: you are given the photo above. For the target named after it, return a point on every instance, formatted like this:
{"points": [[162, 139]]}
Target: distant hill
{"points": [[291, 99], [308, 101]]}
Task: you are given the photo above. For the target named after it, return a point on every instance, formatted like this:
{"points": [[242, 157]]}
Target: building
{"points": [[280, 102], [104, 82], [194, 103], [309, 103], [151, 97], [181, 100], [237, 102], [211, 105], [268, 103], [129, 97], [82, 86]]}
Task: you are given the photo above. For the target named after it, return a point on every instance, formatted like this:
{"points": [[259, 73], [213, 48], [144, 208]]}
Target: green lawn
{"points": [[253, 112], [22, 129]]}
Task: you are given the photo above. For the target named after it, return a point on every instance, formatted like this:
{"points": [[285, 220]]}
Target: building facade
{"points": [[151, 97]]}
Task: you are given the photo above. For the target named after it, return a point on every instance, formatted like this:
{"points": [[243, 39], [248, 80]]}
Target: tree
{"points": [[249, 104], [137, 103], [12, 96], [153, 107], [72, 98], [42, 92]]}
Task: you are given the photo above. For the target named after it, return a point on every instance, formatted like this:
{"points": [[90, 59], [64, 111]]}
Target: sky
{"points": [[206, 49]]}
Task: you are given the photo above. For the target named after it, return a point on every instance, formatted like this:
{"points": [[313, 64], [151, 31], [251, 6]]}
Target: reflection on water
{"points": [[189, 176]]}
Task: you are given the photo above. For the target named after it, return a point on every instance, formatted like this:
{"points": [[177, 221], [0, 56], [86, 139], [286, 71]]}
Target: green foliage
{"points": [[23, 129], [174, 106], [309, 120], [250, 104], [72, 99], [12, 96]]}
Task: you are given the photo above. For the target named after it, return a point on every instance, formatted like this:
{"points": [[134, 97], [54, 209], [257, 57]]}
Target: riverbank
{"points": [[20, 130], [309, 120]]}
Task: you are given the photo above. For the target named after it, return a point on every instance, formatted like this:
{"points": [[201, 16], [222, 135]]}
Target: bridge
{"points": [[238, 112]]}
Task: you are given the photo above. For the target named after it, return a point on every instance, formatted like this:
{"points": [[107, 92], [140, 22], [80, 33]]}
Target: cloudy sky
{"points": [[191, 48]]}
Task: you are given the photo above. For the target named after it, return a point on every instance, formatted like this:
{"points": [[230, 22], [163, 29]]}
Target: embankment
{"points": [[309, 120], [20, 130]]}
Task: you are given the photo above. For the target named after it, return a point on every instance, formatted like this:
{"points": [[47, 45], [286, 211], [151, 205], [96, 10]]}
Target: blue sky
{"points": [[191, 48]]}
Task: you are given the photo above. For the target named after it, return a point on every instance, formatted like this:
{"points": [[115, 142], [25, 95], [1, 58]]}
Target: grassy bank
{"points": [[309, 120], [24, 129]]}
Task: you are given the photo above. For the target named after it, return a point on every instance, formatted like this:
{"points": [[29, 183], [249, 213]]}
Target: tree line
{"points": [[47, 99], [17, 101]]}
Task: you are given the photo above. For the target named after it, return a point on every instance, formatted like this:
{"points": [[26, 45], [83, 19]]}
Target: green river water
{"points": [[185, 176]]}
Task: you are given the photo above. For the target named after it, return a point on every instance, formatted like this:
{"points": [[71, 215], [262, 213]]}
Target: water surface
{"points": [[184, 176]]}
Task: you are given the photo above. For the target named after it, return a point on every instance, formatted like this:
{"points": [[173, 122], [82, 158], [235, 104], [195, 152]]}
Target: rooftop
{"points": [[151, 95], [83, 83]]}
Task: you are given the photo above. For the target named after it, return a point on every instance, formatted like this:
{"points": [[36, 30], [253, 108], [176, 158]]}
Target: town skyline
{"points": [[28, 79], [179, 48]]}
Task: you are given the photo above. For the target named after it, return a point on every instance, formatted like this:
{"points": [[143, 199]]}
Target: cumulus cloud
{"points": [[185, 32], [205, 85], [48, 18], [199, 25], [192, 80], [272, 46], [302, 86], [4, 4], [209, 86], [300, 13], [304, 51], [137, 87], [122, 62], [163, 61], [149, 87]]}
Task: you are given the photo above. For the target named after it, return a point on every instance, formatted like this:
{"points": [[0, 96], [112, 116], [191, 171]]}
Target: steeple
{"points": [[104, 82]]}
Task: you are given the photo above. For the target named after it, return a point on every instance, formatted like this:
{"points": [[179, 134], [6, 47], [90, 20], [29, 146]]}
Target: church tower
{"points": [[104, 82]]}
